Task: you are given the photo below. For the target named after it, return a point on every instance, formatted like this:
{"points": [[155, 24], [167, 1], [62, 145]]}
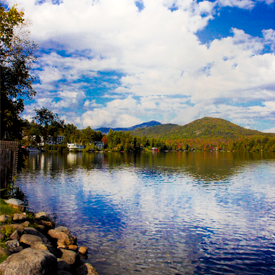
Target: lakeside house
{"points": [[75, 147], [99, 145], [49, 141], [60, 139]]}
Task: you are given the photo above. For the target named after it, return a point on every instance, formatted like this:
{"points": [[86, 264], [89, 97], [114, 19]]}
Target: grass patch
{"points": [[7, 230], [30, 216], [7, 209], [2, 259]]}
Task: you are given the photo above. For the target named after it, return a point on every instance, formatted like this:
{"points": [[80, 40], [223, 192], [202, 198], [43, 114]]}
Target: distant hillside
{"points": [[155, 131], [202, 128], [105, 130]]}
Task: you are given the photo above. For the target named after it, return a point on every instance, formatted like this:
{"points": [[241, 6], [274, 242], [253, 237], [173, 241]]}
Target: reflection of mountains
{"points": [[207, 166]]}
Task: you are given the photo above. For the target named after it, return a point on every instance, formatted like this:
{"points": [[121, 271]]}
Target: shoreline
{"points": [[32, 244]]}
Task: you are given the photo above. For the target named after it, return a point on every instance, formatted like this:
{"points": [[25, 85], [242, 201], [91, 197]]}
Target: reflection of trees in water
{"points": [[207, 166]]}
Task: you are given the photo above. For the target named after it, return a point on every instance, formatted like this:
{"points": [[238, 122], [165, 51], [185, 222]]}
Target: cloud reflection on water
{"points": [[151, 213]]}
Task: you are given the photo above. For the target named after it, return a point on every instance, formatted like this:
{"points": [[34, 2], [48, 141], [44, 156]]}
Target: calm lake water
{"points": [[173, 213]]}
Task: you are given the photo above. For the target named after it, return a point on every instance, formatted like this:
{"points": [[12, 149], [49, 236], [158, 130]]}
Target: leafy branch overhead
{"points": [[17, 57]]}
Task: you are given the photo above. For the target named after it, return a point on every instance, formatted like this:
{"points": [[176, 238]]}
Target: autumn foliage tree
{"points": [[17, 56]]}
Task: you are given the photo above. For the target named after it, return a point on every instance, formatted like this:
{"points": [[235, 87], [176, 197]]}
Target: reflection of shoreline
{"points": [[137, 204], [207, 166]]}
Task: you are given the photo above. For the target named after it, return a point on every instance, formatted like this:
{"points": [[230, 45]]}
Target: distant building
{"points": [[50, 141], [60, 139], [99, 145], [75, 147]]}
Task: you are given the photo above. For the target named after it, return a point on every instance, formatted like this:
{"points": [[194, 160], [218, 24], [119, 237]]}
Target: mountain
{"points": [[105, 130], [155, 131], [206, 127]]}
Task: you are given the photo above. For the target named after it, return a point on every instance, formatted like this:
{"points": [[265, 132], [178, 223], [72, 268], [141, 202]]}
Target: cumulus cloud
{"points": [[99, 117], [155, 50], [272, 130], [243, 4]]}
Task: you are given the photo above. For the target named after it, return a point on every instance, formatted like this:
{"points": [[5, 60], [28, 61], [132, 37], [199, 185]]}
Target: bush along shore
{"points": [[31, 244]]}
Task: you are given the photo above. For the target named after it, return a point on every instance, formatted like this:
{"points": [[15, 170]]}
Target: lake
{"points": [[161, 213]]}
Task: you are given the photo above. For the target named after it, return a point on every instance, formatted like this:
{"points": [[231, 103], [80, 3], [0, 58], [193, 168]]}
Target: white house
{"points": [[75, 146]]}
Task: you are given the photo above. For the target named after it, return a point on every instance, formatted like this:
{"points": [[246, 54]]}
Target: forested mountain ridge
{"points": [[158, 131], [204, 128], [105, 130]]}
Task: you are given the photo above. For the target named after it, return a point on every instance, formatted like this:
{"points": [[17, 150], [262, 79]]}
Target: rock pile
{"points": [[34, 246]]}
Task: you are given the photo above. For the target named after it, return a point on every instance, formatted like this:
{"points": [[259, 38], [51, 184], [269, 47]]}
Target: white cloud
{"points": [[158, 53], [91, 103], [244, 4], [272, 130], [99, 117], [269, 36]]}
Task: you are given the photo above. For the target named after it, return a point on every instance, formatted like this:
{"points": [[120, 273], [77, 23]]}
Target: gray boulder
{"points": [[35, 232], [26, 224], [63, 240], [63, 265], [44, 219], [46, 247], [63, 229], [16, 249], [70, 257], [12, 244], [30, 240], [19, 217], [30, 262], [86, 269], [14, 202], [4, 218], [42, 216], [15, 235], [83, 250]]}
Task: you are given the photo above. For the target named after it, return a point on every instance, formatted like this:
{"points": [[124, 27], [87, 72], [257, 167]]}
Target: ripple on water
{"points": [[192, 214]]}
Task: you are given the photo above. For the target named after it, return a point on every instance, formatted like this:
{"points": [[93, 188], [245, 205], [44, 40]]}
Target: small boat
{"points": [[33, 149]]}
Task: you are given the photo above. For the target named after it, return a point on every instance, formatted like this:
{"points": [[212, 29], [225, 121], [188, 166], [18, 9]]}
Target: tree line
{"points": [[46, 124]]}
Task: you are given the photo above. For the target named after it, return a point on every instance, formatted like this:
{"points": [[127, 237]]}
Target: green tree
{"points": [[17, 56], [48, 122], [68, 131]]}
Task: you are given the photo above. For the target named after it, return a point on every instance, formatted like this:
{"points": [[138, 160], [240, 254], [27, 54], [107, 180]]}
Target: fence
{"points": [[9, 159]]}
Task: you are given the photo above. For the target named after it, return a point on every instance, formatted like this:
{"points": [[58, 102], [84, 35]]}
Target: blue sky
{"points": [[120, 63]]}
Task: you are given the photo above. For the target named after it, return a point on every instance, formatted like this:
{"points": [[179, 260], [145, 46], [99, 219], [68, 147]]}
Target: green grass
{"points": [[2, 259], [5, 209], [7, 230]]}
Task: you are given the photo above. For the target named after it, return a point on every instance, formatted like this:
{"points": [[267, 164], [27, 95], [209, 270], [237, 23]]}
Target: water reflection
{"points": [[174, 213], [205, 166]]}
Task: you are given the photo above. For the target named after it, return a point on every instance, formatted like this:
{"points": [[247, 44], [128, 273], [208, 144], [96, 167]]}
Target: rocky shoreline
{"points": [[34, 246]]}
